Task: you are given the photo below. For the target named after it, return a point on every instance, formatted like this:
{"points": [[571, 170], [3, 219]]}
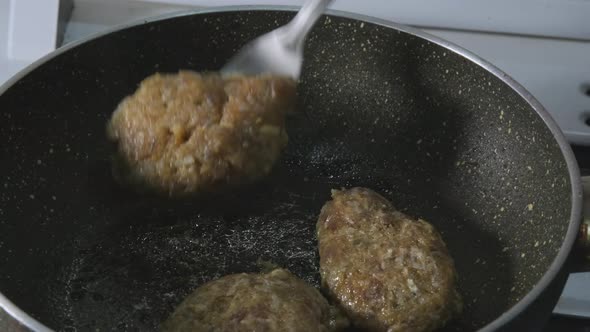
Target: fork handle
{"points": [[296, 30]]}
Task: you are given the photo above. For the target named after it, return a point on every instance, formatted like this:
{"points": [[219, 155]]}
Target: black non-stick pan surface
{"points": [[440, 136]]}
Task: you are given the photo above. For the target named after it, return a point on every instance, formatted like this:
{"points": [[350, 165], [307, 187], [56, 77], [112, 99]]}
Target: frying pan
{"points": [[438, 131]]}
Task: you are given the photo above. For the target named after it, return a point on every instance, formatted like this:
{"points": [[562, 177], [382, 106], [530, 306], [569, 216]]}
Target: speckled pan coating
{"points": [[437, 134]]}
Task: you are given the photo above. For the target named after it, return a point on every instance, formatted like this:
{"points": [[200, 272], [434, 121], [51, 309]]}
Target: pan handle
{"points": [[581, 256]]}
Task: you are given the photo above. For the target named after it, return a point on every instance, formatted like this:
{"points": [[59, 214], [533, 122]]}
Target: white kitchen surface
{"points": [[575, 299], [8, 65], [543, 44]]}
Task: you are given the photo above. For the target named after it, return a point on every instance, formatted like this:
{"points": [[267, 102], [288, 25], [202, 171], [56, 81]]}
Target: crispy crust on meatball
{"points": [[387, 271], [189, 132], [275, 301]]}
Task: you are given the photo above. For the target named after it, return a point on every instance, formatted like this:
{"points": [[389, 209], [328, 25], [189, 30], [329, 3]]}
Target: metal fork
{"points": [[281, 50]]}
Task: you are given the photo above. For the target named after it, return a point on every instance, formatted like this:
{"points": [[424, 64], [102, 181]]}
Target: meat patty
{"points": [[387, 271], [189, 132], [275, 301]]}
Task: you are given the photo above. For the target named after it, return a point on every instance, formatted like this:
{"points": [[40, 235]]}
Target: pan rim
{"points": [[574, 173]]}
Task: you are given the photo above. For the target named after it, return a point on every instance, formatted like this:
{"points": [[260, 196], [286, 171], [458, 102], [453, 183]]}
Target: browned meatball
{"points": [[276, 301], [388, 272], [189, 132]]}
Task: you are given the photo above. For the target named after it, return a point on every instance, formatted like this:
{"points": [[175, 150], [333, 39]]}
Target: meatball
{"points": [[387, 271], [275, 301], [189, 132]]}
